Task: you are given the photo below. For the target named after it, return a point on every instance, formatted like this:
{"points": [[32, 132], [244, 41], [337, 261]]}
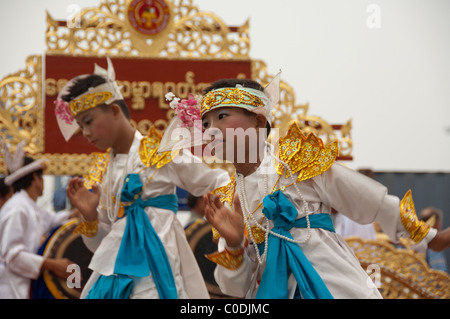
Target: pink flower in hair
{"points": [[187, 110], [62, 111]]}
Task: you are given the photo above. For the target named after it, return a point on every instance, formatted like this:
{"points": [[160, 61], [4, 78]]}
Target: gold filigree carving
{"points": [[21, 111], [107, 30], [287, 111], [403, 273]]}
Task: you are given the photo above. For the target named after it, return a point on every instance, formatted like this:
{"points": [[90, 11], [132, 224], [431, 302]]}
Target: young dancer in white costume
{"points": [[276, 237], [140, 248]]}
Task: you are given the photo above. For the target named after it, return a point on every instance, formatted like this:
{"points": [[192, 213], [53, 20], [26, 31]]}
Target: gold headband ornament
{"points": [[88, 101], [105, 93], [256, 101]]}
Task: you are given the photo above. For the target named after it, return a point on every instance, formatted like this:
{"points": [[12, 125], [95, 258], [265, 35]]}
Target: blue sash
{"points": [[284, 257], [141, 252]]}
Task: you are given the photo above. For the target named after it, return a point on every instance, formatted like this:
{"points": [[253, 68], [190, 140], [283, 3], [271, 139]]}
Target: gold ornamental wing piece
{"points": [[148, 150], [416, 229], [304, 154]]}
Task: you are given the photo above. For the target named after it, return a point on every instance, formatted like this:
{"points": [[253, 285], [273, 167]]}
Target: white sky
{"points": [[392, 81]]}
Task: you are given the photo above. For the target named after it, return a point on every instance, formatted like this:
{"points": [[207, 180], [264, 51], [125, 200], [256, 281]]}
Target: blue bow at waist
{"points": [[141, 251], [284, 256]]}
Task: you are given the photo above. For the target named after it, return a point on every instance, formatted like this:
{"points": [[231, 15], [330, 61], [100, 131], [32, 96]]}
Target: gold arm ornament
{"points": [[417, 229]]}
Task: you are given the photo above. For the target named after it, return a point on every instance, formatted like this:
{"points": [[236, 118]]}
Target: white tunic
{"points": [[22, 228], [185, 171], [354, 195]]}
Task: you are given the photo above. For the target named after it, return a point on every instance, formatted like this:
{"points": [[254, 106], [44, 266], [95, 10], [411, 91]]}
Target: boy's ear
{"points": [[115, 109], [35, 177]]}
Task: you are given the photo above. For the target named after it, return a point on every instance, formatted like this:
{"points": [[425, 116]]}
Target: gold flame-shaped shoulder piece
{"points": [[148, 150], [226, 193], [97, 170], [416, 229], [304, 154]]}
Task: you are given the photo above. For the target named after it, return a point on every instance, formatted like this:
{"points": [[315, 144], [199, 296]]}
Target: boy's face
{"points": [[234, 132], [97, 126]]}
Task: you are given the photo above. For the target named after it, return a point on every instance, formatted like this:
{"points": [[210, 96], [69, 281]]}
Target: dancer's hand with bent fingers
{"points": [[83, 199], [229, 224]]}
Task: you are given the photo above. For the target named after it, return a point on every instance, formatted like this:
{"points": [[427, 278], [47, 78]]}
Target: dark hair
{"points": [[82, 85], [192, 200], [25, 182], [4, 189], [230, 83]]}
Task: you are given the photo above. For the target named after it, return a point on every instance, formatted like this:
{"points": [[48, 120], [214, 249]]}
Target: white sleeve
{"points": [[361, 199], [53, 220], [190, 173], [14, 251]]}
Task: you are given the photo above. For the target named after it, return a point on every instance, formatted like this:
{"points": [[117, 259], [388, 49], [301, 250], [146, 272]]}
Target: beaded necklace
{"points": [[113, 201], [265, 227]]}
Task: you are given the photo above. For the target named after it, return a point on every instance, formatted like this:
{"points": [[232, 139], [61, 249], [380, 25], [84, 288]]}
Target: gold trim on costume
{"points": [[416, 229], [230, 259], [88, 229], [226, 194], [97, 169]]}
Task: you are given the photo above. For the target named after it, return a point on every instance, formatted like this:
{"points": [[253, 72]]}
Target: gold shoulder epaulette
{"points": [[305, 154], [97, 170], [148, 150]]}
